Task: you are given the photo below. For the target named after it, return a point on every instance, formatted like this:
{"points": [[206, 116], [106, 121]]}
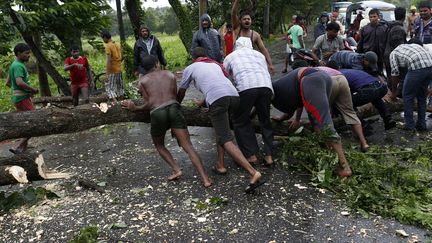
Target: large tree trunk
{"points": [[184, 22], [266, 27], [135, 13], [54, 120], [12, 175], [58, 79]]}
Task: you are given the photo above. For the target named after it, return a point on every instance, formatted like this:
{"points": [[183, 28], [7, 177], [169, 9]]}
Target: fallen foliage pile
{"points": [[390, 181]]}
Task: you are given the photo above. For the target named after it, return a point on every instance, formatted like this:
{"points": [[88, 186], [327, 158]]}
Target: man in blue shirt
{"points": [[367, 89]]}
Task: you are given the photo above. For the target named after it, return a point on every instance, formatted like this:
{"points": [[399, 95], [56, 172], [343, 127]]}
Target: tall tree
{"points": [[136, 15], [184, 22]]}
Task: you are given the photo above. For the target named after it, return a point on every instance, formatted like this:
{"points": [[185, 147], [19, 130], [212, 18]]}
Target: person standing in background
{"points": [[114, 82]]}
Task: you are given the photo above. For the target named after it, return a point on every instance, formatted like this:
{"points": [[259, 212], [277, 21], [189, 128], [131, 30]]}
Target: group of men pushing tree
{"points": [[234, 85]]}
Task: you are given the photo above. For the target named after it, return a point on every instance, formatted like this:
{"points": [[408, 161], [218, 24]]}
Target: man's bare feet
{"points": [[268, 160], [344, 171], [207, 183], [175, 176], [252, 159], [220, 171], [255, 178]]}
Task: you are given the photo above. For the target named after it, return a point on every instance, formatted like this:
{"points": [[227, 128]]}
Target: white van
{"points": [[386, 9]]}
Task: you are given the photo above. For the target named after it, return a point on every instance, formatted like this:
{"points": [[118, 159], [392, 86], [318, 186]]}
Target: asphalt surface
{"points": [[140, 205]]}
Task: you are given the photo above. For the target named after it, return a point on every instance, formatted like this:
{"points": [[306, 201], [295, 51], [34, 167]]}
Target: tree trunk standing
{"points": [[58, 79], [202, 9], [135, 13], [184, 22], [44, 88], [120, 21], [266, 27]]}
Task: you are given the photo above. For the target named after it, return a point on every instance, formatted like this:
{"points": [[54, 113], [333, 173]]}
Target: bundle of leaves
{"points": [[88, 234], [390, 181], [28, 196]]}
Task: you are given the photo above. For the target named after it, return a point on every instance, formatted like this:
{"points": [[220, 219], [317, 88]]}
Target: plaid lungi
{"points": [[114, 86]]}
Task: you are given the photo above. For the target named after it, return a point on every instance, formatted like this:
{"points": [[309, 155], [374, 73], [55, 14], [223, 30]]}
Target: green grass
{"points": [[175, 54]]}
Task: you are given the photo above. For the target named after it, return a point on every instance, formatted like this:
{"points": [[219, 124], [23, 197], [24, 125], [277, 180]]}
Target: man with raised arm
{"points": [[159, 91], [242, 28]]}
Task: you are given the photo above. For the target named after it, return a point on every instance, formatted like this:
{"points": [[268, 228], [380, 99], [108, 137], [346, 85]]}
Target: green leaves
{"points": [[28, 196], [391, 181], [87, 234]]}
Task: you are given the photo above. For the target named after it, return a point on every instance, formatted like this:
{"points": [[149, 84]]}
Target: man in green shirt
{"points": [[22, 92], [295, 35]]}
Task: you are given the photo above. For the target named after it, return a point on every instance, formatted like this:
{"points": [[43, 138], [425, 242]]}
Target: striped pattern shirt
{"points": [[249, 69], [411, 56]]}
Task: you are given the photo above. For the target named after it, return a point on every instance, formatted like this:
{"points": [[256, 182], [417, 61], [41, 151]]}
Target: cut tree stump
{"points": [[12, 175], [33, 166], [54, 120]]}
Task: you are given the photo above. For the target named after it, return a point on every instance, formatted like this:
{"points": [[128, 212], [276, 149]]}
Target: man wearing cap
{"points": [[411, 18], [320, 28], [373, 37], [351, 60], [423, 24], [253, 82], [147, 44], [367, 89], [419, 64]]}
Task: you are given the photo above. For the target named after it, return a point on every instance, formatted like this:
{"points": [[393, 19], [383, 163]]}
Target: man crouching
{"points": [[159, 90]]}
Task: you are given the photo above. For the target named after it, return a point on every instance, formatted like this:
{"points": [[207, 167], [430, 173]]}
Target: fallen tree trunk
{"points": [[31, 167], [67, 99], [53, 120]]}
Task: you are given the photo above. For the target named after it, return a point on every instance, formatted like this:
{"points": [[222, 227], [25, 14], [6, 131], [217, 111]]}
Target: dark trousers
{"points": [[373, 93], [260, 98]]}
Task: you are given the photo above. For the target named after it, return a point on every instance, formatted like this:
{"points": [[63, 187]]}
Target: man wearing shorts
{"points": [[222, 98], [310, 88], [114, 83], [79, 74], [22, 92], [159, 90]]}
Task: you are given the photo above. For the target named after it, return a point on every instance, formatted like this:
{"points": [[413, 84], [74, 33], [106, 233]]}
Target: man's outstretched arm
{"points": [[234, 11]]}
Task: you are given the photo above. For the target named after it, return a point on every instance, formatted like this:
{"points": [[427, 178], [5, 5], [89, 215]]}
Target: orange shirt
{"points": [[113, 50]]}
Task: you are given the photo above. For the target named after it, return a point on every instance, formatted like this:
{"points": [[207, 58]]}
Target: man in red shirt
{"points": [[79, 74], [229, 39]]}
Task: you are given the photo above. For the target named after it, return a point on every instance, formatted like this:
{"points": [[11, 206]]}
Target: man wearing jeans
{"points": [[419, 63], [366, 88], [252, 80], [209, 78]]}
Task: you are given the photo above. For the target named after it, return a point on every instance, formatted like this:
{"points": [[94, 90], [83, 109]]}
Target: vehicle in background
{"points": [[363, 7]]}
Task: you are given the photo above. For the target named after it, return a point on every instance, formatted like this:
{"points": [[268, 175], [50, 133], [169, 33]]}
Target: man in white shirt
{"points": [[252, 80]]}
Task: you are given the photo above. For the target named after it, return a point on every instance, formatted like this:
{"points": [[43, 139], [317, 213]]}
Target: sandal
{"points": [[219, 171], [251, 188]]}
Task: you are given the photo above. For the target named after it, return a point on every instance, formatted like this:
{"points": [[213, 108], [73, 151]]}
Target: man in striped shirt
{"points": [[419, 63], [252, 80]]}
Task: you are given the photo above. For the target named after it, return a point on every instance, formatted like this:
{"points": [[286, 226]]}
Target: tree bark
{"points": [[58, 79], [120, 21], [135, 12], [266, 27], [66, 100], [55, 120], [184, 22], [44, 88]]}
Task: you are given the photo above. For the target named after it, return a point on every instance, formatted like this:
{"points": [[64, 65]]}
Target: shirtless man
{"points": [[159, 91], [242, 28]]}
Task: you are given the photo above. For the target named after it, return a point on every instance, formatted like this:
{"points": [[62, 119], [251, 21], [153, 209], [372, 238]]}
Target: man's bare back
{"points": [[158, 87]]}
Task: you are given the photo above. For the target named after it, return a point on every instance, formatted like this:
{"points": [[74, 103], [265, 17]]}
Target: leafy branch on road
{"points": [[390, 181]]}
